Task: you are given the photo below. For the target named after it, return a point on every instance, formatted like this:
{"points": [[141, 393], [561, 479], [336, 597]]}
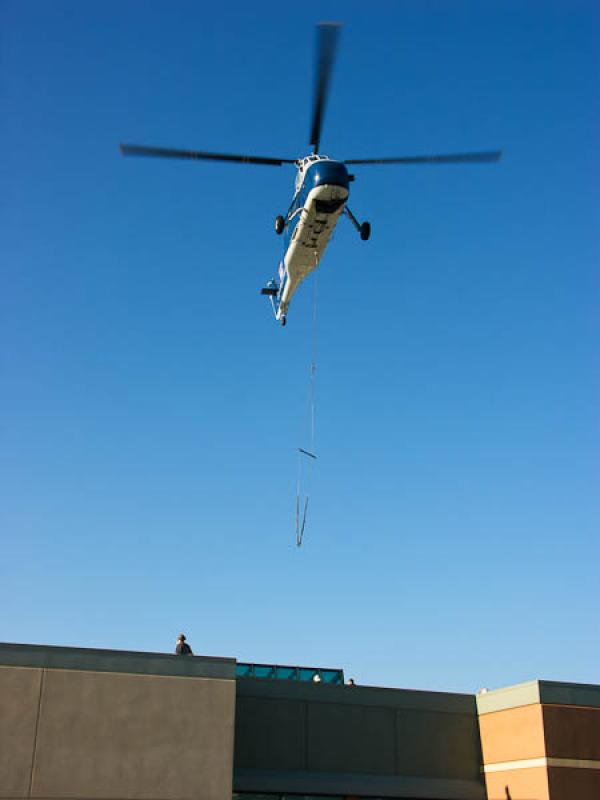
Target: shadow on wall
{"points": [[508, 796]]}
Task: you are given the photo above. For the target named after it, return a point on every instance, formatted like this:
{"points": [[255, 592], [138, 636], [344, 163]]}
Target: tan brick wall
{"points": [[538, 732], [512, 735], [519, 784]]}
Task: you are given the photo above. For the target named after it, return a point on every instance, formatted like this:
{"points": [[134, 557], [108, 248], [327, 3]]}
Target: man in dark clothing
{"points": [[182, 648]]}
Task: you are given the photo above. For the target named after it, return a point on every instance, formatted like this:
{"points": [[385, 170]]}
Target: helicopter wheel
{"points": [[279, 224], [283, 321], [365, 231]]}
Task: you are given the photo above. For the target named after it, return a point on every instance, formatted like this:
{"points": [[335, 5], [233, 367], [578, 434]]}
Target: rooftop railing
{"points": [[279, 672]]}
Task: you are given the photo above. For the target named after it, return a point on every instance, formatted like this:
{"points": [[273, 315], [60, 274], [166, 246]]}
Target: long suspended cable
{"points": [[309, 454]]}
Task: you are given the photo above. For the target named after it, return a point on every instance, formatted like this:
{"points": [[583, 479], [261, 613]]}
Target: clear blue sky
{"points": [[150, 406]]}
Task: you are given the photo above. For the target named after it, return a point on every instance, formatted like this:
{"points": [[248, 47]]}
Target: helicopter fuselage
{"points": [[322, 185], [322, 189]]}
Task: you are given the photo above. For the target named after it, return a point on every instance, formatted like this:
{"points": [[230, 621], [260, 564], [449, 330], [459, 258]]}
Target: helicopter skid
{"points": [[310, 238]]}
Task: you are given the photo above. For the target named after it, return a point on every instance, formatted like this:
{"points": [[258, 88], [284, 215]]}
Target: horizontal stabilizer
{"points": [[270, 291]]}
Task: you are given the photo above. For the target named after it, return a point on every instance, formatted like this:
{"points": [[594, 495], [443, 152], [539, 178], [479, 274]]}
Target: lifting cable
{"points": [[309, 454]]}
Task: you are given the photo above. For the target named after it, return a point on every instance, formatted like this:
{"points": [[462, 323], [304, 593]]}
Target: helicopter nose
{"points": [[329, 173]]}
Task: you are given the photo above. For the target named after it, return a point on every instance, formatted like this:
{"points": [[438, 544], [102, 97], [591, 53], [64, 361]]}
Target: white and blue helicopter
{"points": [[321, 189]]}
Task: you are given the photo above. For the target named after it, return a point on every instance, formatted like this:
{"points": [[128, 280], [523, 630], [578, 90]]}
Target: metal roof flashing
{"points": [[539, 691]]}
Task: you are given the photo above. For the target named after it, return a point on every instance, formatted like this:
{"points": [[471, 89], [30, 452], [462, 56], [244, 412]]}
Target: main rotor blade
{"points": [[327, 38], [197, 155], [484, 157]]}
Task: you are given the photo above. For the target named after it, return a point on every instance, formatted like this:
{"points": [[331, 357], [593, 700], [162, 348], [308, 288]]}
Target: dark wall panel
{"points": [[318, 739], [438, 744], [270, 733], [572, 732], [574, 784], [351, 738]]}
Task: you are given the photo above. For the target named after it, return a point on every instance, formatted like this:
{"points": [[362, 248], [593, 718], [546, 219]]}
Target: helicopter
{"points": [[321, 189]]}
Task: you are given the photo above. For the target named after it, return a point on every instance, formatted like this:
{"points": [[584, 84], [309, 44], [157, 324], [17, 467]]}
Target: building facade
{"points": [[90, 724]]}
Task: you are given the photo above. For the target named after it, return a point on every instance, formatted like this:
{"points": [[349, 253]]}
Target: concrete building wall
{"points": [[319, 739], [81, 733], [19, 700], [107, 725]]}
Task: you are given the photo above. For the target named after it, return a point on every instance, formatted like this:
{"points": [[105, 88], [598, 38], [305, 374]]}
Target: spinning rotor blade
{"points": [[327, 38], [485, 157], [197, 155]]}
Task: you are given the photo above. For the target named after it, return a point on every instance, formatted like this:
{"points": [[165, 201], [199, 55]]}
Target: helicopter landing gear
{"points": [[279, 224], [364, 229]]}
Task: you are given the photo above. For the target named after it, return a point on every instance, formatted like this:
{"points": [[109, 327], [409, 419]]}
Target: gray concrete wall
{"points": [[92, 733], [19, 700], [314, 738]]}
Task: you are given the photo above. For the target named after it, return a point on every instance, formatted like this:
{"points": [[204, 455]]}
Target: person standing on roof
{"points": [[182, 648]]}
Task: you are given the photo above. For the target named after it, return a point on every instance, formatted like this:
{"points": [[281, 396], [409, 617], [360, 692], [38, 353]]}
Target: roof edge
{"points": [[120, 661]]}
